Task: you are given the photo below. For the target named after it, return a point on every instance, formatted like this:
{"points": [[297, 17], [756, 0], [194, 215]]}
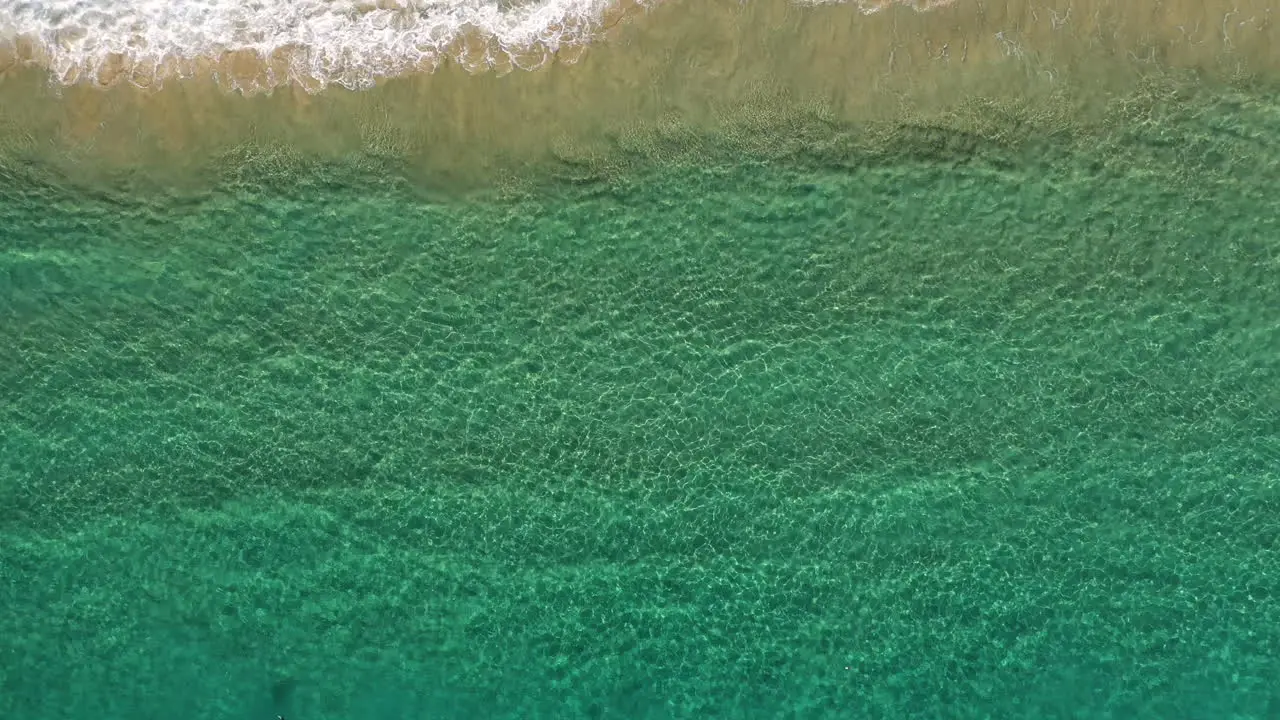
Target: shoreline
{"points": [[700, 67]]}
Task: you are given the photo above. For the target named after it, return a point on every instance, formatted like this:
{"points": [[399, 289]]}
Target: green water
{"points": [[959, 428]]}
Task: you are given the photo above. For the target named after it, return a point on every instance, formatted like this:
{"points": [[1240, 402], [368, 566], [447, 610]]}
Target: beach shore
{"points": [[700, 65]]}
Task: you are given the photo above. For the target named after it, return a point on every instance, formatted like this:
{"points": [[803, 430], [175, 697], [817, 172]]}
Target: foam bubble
{"points": [[350, 43], [254, 45]]}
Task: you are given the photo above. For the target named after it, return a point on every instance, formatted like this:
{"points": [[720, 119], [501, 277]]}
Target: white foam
{"points": [[326, 41], [314, 43]]}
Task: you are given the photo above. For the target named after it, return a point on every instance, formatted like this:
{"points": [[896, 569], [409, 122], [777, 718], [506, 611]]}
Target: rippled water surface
{"points": [[763, 361]]}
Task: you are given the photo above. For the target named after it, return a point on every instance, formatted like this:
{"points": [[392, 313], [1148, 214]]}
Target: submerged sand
{"points": [[696, 64]]}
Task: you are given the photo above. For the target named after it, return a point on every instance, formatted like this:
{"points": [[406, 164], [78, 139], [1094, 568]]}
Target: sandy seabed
{"points": [[696, 63]]}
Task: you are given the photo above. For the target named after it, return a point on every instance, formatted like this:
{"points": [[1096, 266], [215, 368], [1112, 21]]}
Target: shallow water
{"points": [[764, 362]]}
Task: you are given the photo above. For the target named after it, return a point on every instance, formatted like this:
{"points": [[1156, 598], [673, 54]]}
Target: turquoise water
{"points": [[955, 427]]}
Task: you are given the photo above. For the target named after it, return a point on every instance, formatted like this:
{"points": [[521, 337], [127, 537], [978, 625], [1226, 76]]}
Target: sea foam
{"points": [[254, 45]]}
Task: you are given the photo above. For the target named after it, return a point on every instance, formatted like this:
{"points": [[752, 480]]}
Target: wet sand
{"points": [[696, 64]]}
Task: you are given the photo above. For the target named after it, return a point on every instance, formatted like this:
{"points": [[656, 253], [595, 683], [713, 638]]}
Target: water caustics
{"points": [[260, 44]]}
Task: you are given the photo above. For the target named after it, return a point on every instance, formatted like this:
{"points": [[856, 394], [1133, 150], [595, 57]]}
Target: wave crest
{"points": [[256, 45]]}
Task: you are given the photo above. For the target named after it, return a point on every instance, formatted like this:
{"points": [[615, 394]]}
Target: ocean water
{"points": [[565, 359]]}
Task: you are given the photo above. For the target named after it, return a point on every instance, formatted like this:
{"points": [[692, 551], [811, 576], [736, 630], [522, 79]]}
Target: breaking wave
{"points": [[256, 45]]}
